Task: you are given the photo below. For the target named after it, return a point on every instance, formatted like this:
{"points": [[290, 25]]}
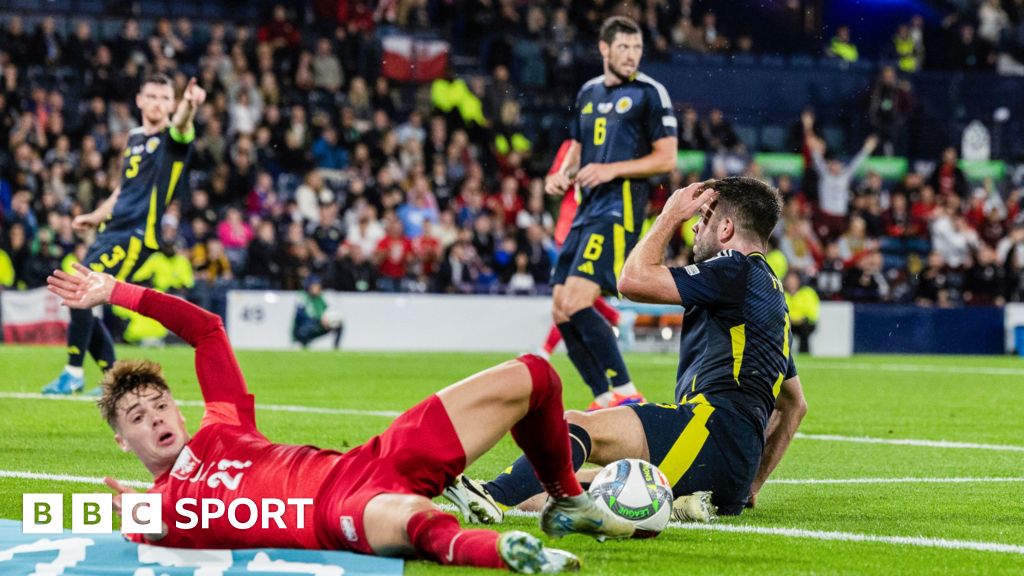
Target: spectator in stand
{"points": [[952, 237], [458, 271], [842, 47], [327, 72], [804, 310], [829, 281], [985, 284], [720, 135], [393, 255], [351, 271], [854, 243], [864, 281], [969, 53], [1010, 252], [263, 266], [328, 153], [692, 134], [900, 222], [328, 231], [993, 21], [933, 283], [709, 36], [948, 179], [235, 234], [834, 186], [889, 109], [907, 49], [522, 281], [419, 209]]}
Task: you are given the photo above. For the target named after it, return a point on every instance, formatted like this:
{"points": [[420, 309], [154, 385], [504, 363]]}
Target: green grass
{"points": [[70, 438]]}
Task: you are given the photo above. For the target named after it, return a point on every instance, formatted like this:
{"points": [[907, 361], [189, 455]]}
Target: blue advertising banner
{"points": [[109, 554]]}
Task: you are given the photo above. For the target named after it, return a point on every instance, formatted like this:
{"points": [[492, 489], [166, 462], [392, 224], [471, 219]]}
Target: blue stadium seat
{"points": [[744, 60], [773, 137], [801, 61], [90, 6], [772, 61], [747, 135], [685, 58]]}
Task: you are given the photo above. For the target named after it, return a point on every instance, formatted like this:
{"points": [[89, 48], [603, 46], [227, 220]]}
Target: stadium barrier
{"points": [[262, 320]]}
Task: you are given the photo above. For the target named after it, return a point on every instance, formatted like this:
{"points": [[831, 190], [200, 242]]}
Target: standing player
{"points": [[154, 161], [566, 215], [624, 133], [739, 399], [375, 498]]}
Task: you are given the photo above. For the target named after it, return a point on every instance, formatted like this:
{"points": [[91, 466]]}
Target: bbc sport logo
{"points": [[143, 513]]}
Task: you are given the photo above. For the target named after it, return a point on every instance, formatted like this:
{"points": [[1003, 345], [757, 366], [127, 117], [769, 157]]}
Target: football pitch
{"points": [[904, 464]]}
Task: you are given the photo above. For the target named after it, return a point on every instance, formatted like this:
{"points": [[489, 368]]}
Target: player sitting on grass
{"points": [[373, 499], [739, 399]]}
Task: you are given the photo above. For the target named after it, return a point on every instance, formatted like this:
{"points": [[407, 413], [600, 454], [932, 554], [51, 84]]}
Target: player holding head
{"points": [[155, 162], [739, 399], [624, 132], [373, 499]]}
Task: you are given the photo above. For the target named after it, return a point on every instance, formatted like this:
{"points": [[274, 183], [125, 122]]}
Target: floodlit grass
{"points": [[960, 399]]}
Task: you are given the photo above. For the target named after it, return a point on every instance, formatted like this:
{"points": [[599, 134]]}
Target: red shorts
{"points": [[420, 454]]}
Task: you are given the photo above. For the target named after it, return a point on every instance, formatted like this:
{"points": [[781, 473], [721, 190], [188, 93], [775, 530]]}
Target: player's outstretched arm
{"points": [[790, 408], [219, 375], [645, 278], [191, 100]]}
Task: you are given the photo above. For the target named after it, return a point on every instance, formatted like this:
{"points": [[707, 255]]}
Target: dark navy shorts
{"points": [[595, 251]]}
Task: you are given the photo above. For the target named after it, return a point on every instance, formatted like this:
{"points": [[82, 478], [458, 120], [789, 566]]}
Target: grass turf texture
{"points": [[881, 396]]}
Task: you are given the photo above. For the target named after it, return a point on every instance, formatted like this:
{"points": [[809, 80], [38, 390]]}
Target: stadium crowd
{"points": [[310, 161]]}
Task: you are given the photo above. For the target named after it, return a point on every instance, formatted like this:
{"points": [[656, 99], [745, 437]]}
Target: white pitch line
{"points": [[200, 404], [736, 528], [954, 480], [395, 413], [69, 478], [910, 442], [884, 367], [918, 541]]}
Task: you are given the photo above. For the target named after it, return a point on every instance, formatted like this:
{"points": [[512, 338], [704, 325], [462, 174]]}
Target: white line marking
{"points": [[910, 442], [200, 404], [961, 480], [883, 367], [69, 478], [738, 528], [395, 413], [919, 541]]}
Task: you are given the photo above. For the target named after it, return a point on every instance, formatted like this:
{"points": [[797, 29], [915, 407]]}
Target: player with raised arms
{"points": [[154, 165], [624, 133], [738, 397], [373, 499]]}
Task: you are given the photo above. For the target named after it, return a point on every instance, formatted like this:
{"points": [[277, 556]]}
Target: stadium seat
{"points": [[772, 61], [773, 137], [747, 135], [801, 61]]}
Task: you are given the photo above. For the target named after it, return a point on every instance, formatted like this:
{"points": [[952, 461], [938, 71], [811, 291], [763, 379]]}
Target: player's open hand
{"points": [[595, 174], [84, 289], [556, 184], [84, 222], [120, 489], [684, 203], [194, 94]]}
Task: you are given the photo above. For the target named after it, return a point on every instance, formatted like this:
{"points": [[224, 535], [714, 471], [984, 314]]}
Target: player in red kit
{"points": [[373, 499]]}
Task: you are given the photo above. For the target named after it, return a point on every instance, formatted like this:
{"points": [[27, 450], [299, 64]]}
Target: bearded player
{"points": [[739, 400], [155, 162], [624, 133], [373, 499]]}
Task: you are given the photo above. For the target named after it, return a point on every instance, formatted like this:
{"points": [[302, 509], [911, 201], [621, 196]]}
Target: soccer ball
{"points": [[636, 491]]}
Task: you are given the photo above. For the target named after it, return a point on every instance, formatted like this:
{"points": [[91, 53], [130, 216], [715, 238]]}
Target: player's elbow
{"points": [[631, 285]]}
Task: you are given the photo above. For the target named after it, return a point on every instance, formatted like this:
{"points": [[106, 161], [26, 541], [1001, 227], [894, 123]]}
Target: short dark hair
{"points": [[157, 78], [126, 377], [618, 25], [754, 206]]}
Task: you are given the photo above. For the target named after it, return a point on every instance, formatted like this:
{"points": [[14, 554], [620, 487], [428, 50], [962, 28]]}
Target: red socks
{"points": [[438, 537], [543, 433], [603, 308], [607, 310]]}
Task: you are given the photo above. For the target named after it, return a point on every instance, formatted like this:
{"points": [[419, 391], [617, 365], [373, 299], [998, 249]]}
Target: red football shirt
{"points": [[228, 458]]}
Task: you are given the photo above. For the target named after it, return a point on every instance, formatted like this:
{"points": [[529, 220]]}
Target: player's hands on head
{"points": [[595, 174], [556, 184], [684, 203], [83, 289]]}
